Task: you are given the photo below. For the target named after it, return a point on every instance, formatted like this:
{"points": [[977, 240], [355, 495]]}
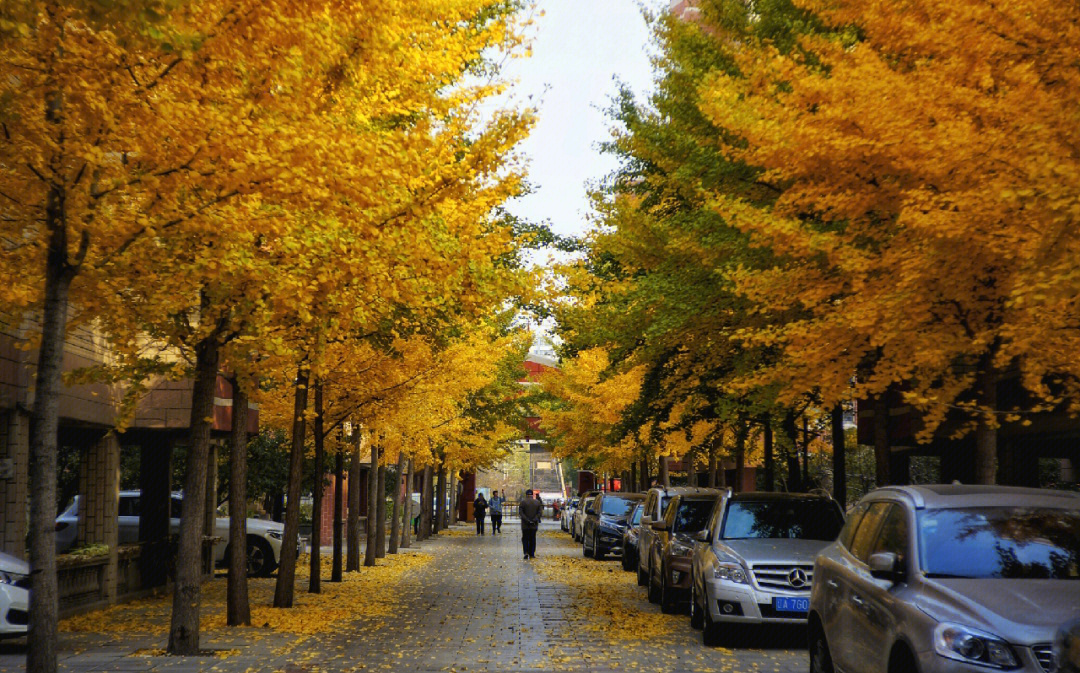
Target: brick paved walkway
{"points": [[477, 607]]}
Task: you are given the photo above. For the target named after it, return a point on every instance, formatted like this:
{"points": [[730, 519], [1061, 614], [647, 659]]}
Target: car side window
{"points": [[714, 519], [650, 504], [866, 534], [893, 537], [848, 531], [128, 506]]}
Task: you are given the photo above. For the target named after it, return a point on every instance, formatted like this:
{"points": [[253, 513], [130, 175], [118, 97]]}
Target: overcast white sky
{"points": [[580, 48]]}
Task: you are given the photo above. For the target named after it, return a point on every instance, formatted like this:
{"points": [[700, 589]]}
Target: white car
{"points": [[263, 537], [14, 596]]}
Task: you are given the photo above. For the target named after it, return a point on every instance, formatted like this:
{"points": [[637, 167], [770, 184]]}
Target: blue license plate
{"points": [[785, 604]]}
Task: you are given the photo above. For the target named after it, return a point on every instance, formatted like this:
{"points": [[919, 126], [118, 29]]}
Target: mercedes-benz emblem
{"points": [[797, 578]]}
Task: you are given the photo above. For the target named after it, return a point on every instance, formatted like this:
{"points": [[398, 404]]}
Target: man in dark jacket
{"points": [[529, 511], [479, 512]]}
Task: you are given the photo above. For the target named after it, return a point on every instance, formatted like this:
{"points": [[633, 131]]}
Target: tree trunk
{"points": [[395, 516], [770, 461], [44, 426], [713, 482], [986, 430], [210, 501], [805, 453], [286, 579], [440, 500], [454, 484], [184, 625], [373, 506], [691, 468], [352, 552], [838, 457], [791, 435], [407, 515], [881, 440], [426, 500], [634, 485], [238, 609], [339, 511], [380, 513], [741, 431], [315, 575], [664, 480]]}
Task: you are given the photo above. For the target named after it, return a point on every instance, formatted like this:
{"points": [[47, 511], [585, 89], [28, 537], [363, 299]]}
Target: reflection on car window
{"points": [[664, 501], [785, 519], [692, 515], [635, 518], [1005, 542], [129, 506], [867, 531], [893, 537], [175, 508], [616, 506], [853, 519]]}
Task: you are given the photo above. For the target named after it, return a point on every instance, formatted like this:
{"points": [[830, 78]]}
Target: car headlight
{"points": [[680, 549], [732, 572], [276, 534], [972, 646]]}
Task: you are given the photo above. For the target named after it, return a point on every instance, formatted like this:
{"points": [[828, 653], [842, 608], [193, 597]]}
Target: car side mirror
{"points": [[659, 525], [703, 536], [886, 566], [646, 521]]}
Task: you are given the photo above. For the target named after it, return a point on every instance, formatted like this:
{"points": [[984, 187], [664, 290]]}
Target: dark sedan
{"points": [[606, 521]]}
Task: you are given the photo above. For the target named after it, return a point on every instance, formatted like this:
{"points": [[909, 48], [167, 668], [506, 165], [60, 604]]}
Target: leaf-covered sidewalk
{"points": [[460, 602]]}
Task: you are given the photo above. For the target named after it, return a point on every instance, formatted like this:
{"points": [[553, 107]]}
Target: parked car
{"points": [[757, 563], [605, 521], [579, 514], [947, 578], [656, 502], [14, 596], [675, 536], [568, 514], [630, 538], [263, 537]]}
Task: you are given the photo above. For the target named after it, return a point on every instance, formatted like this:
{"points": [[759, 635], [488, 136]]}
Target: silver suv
{"points": [[757, 566], [947, 578]]}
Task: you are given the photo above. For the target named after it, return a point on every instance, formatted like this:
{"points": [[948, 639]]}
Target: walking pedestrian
{"points": [[529, 511], [495, 505], [480, 506]]}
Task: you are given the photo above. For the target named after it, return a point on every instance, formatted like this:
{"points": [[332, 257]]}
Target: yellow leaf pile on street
{"points": [[365, 594]]}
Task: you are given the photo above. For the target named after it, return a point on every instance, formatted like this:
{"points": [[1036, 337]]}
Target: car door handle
{"points": [[833, 584], [857, 600]]}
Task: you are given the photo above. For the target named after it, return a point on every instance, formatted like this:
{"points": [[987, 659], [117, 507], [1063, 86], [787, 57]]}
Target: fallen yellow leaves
{"points": [[366, 594]]}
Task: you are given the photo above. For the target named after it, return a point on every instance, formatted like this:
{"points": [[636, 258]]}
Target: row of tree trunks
{"points": [[395, 516], [440, 501], [407, 513], [284, 588], [373, 505], [380, 514], [339, 507], [315, 579], [839, 456], [237, 608], [352, 543], [454, 485], [427, 496]]}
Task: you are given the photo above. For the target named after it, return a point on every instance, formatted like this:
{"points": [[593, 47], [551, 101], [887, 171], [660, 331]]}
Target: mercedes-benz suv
{"points": [[949, 579], [757, 563]]}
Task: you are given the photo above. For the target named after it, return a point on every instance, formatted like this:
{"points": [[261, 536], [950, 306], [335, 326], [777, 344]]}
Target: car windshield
{"points": [[635, 518], [616, 506], [692, 515], [1000, 542], [782, 519]]}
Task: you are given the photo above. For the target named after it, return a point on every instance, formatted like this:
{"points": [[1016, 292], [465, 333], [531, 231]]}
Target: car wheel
{"points": [[901, 661], [710, 630], [695, 608], [642, 576], [820, 658], [597, 553], [654, 590], [667, 595], [626, 559], [260, 557], [585, 551]]}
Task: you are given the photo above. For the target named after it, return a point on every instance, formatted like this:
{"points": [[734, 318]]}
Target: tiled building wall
{"points": [[99, 484], [14, 454]]}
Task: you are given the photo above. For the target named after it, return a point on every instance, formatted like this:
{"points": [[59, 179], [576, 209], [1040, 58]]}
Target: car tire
{"points": [[710, 630], [626, 559], [597, 552], [820, 657], [654, 591], [585, 551], [695, 608], [642, 576], [667, 596], [901, 660], [260, 557]]}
